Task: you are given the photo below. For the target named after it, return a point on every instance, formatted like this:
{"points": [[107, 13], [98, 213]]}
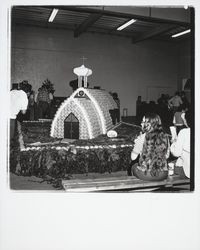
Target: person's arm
{"points": [[184, 120], [174, 120], [177, 146], [36, 97], [51, 97], [168, 150], [24, 102], [170, 102], [137, 149]]}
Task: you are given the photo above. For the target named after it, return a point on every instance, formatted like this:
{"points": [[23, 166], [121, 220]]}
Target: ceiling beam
{"points": [[86, 24], [86, 9], [155, 32], [21, 21]]}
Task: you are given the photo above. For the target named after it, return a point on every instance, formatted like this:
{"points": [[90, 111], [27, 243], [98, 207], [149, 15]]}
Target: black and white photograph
{"points": [[99, 125], [102, 98]]}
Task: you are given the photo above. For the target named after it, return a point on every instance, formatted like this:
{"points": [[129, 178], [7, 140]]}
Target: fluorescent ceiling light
{"points": [[126, 24], [181, 33], [53, 14]]}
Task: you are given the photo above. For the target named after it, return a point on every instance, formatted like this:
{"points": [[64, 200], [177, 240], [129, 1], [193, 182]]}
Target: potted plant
{"points": [[48, 85]]}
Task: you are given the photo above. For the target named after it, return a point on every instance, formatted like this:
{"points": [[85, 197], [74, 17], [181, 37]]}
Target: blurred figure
{"points": [[179, 120], [18, 102], [138, 104], [175, 101], [162, 100], [163, 110], [139, 109], [44, 99], [180, 146], [31, 106], [116, 111], [184, 99]]}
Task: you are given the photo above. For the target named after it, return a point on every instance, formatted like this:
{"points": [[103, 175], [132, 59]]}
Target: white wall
{"points": [[117, 64], [184, 61]]}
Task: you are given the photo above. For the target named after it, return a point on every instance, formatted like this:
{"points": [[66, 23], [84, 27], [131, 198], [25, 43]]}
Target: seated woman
{"points": [[181, 147], [152, 149]]}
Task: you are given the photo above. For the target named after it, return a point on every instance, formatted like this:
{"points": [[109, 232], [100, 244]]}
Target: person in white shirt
{"points": [[18, 102], [175, 102], [179, 118], [152, 148], [180, 147]]}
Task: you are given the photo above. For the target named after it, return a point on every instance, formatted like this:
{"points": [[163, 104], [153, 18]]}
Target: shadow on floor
{"points": [[29, 183]]}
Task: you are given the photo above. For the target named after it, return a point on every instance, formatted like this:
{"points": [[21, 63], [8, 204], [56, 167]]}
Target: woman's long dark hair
{"points": [[156, 145]]}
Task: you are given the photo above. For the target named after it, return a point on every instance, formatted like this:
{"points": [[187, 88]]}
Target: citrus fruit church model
{"points": [[86, 114], [88, 117]]}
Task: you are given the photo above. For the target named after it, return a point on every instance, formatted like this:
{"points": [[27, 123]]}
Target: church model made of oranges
{"points": [[86, 114]]}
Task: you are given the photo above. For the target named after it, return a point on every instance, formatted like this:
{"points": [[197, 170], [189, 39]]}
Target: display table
{"points": [[36, 153]]}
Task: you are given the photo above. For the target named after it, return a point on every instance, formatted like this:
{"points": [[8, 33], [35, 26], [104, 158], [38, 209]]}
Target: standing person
{"points": [[18, 102], [180, 147], [138, 108], [163, 110], [178, 119], [175, 101], [116, 111], [51, 97], [31, 106], [43, 102], [152, 150], [161, 100], [184, 99]]}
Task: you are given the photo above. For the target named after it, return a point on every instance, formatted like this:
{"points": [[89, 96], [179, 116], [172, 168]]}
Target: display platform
{"points": [[35, 153]]}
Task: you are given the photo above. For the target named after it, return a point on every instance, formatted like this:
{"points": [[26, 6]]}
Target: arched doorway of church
{"points": [[71, 127]]}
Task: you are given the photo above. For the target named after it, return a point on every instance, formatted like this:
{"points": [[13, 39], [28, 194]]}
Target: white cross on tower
{"points": [[83, 58]]}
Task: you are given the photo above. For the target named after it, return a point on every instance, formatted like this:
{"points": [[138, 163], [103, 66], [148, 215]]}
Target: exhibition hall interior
{"points": [[102, 98]]}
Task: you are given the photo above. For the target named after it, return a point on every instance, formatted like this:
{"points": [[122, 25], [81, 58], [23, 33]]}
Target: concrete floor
{"points": [[32, 183], [29, 183]]}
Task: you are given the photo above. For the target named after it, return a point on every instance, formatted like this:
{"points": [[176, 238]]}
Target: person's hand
{"points": [[138, 137], [23, 111], [173, 140]]}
